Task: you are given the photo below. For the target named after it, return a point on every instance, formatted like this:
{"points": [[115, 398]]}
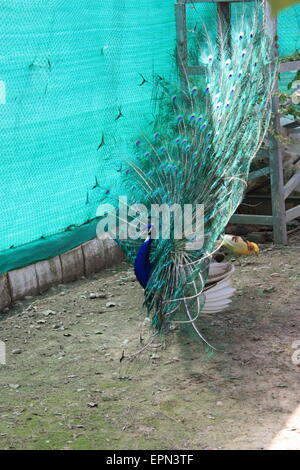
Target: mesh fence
{"points": [[73, 90]]}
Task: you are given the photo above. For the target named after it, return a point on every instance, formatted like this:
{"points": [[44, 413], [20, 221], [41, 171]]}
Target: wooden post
{"points": [[181, 44], [277, 184], [223, 10], [276, 168], [278, 191]]}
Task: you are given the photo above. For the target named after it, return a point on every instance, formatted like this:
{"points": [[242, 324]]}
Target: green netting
{"points": [[69, 82], [68, 67], [288, 21]]}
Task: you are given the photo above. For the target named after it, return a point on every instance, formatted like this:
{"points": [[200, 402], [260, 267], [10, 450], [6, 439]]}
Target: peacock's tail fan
{"points": [[198, 152]]}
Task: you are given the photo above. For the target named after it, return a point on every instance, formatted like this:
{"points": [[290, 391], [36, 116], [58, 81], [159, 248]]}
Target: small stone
{"points": [[98, 295], [14, 386], [47, 312], [92, 405], [155, 356], [131, 278], [110, 304], [220, 403], [16, 351]]}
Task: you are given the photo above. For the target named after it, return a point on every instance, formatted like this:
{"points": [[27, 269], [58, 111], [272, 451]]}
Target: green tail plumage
{"points": [[199, 151]]}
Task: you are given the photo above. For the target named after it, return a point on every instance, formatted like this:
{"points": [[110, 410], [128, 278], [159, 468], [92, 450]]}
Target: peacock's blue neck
{"points": [[142, 265]]}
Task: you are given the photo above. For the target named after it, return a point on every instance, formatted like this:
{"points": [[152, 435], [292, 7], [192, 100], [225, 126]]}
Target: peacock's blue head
{"points": [[148, 233], [150, 230]]}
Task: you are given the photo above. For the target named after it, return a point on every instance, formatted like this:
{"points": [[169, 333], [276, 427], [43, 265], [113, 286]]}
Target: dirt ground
{"points": [[63, 386]]}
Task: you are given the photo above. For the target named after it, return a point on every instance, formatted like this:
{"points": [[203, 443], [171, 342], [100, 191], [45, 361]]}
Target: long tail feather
{"points": [[199, 151]]}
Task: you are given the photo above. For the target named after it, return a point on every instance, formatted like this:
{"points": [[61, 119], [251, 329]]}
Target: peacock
{"points": [[197, 152]]}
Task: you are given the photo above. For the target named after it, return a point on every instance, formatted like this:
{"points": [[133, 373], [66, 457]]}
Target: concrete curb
{"points": [[5, 298], [49, 273], [89, 258], [23, 282]]}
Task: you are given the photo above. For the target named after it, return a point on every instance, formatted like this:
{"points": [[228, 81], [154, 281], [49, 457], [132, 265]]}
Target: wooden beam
{"points": [[292, 184], [181, 45], [292, 125], [294, 130], [293, 213], [277, 188], [277, 184], [278, 218], [251, 219], [267, 197], [223, 9], [256, 174], [223, 13], [289, 66]]}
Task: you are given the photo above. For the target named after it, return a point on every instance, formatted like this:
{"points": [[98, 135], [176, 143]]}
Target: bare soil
{"points": [[63, 386]]}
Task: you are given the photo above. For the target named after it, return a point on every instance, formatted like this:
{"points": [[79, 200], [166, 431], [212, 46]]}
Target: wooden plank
{"points": [[278, 219], [292, 184], [289, 66], [257, 196], [223, 13], [223, 10], [277, 184], [257, 173], [295, 130], [251, 219], [181, 43], [292, 125], [293, 213]]}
